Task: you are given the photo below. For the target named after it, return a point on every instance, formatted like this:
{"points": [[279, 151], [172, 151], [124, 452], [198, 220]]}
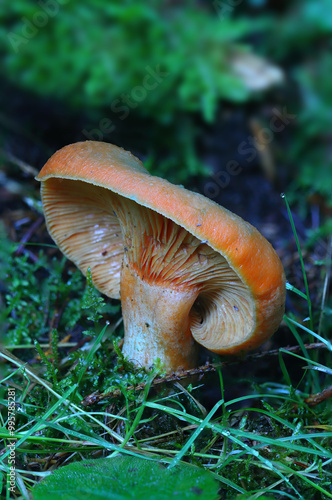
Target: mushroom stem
{"points": [[156, 322]]}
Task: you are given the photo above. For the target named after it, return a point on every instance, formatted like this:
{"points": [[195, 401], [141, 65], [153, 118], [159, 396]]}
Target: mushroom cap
{"points": [[76, 183]]}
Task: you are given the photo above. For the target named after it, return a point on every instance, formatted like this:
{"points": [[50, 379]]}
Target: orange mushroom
{"points": [[187, 270]]}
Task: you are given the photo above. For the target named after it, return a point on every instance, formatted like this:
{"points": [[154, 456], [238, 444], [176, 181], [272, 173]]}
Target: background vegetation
{"points": [[232, 99]]}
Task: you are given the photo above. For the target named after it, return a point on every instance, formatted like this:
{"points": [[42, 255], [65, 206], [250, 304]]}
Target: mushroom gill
{"points": [[113, 235]]}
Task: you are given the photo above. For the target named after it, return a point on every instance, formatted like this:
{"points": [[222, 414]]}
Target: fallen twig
{"points": [[96, 397], [315, 399]]}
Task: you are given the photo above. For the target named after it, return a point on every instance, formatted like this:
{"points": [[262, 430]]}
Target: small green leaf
{"points": [[126, 477]]}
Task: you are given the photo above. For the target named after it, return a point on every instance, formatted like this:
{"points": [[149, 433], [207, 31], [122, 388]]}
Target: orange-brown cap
{"points": [[143, 235]]}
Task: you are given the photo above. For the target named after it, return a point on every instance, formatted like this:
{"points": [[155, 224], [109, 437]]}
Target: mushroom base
{"points": [[156, 322]]}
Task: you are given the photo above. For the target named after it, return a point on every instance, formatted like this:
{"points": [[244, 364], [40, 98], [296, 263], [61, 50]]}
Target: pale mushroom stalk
{"points": [[187, 270], [156, 322]]}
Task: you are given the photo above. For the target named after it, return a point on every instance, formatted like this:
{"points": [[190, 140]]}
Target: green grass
{"points": [[273, 442]]}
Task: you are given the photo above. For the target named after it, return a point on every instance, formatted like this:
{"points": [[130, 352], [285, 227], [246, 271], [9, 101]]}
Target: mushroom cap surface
{"points": [[77, 183]]}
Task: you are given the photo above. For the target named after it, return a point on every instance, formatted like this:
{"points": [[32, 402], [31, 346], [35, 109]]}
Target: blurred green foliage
{"points": [[158, 59], [169, 64], [312, 145], [303, 33], [92, 52]]}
